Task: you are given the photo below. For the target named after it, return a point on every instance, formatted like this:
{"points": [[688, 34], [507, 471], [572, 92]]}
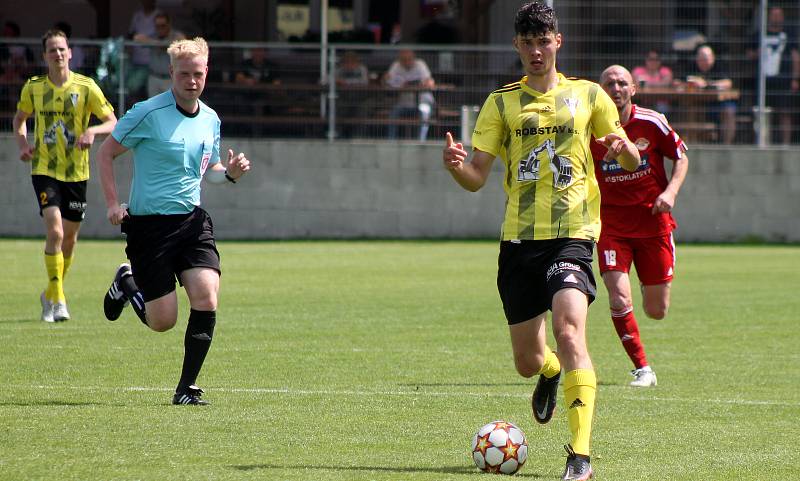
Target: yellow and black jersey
{"points": [[544, 140], [61, 117]]}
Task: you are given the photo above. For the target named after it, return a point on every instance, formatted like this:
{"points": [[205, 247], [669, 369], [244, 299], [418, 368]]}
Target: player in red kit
{"points": [[636, 221]]}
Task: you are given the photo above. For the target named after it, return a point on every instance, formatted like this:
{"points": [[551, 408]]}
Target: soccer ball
{"points": [[499, 447]]}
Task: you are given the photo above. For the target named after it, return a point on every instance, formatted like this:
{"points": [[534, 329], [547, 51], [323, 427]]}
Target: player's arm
{"points": [[106, 127], [21, 135], [606, 128], [109, 150], [666, 200], [470, 175], [622, 150]]}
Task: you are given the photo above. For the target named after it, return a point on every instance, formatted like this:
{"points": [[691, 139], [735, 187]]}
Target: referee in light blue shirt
{"points": [[175, 142]]}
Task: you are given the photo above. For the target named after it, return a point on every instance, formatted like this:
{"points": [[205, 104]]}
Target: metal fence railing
{"points": [[287, 90]]}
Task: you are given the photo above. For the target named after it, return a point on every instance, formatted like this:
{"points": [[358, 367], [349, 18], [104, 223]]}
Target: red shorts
{"points": [[654, 257]]}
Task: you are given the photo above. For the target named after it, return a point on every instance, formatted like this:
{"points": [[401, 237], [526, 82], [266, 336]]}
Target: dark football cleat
{"points": [[578, 466], [544, 399], [115, 301], [190, 396]]}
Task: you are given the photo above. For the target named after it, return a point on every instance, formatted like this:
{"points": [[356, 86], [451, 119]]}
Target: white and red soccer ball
{"points": [[499, 447]]}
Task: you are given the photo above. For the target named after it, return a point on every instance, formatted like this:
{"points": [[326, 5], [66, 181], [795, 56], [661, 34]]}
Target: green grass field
{"points": [[379, 360]]}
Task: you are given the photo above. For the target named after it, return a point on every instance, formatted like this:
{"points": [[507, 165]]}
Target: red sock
{"points": [[628, 332]]}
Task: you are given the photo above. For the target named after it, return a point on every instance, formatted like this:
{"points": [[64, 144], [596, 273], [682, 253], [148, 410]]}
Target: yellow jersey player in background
{"points": [[541, 127], [62, 102]]}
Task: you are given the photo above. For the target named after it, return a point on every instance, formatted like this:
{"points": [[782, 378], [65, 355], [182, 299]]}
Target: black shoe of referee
{"points": [[190, 395], [544, 397], [115, 301]]}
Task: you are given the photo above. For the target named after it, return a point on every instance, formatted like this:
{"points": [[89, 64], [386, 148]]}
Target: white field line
{"points": [[419, 393]]}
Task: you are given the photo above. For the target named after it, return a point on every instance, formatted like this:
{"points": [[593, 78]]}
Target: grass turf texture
{"points": [[379, 360]]}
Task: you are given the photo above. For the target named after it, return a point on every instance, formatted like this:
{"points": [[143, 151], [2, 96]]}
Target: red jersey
{"points": [[627, 197]]}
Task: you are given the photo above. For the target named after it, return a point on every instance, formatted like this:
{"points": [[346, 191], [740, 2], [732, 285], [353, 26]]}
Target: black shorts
{"points": [[531, 272], [160, 247], [779, 94], [69, 197]]}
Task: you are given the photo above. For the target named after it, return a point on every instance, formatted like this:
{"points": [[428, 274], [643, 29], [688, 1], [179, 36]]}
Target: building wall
{"points": [[313, 189], [82, 15], [78, 13]]}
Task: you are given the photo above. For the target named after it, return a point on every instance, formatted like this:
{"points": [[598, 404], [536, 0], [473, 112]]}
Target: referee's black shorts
{"points": [[160, 247], [531, 272]]}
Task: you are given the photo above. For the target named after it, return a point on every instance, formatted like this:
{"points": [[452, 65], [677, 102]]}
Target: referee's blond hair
{"points": [[196, 47]]}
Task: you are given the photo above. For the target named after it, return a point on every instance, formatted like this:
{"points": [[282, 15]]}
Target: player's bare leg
{"points": [[529, 344], [656, 300], [532, 356], [570, 309], [162, 313], [71, 230], [54, 227], [202, 287]]}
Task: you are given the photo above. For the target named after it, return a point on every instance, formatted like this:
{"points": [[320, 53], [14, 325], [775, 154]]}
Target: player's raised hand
{"points": [[454, 154], [237, 165], [614, 143]]}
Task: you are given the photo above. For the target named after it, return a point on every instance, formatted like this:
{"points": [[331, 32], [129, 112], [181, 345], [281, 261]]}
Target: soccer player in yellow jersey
{"points": [[62, 102], [541, 127]]}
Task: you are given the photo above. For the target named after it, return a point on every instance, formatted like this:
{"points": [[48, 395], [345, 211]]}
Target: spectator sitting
{"points": [[708, 75], [409, 71], [654, 74], [350, 72], [257, 68]]}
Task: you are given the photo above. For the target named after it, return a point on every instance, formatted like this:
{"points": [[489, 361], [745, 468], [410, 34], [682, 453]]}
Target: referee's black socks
{"points": [[196, 343]]}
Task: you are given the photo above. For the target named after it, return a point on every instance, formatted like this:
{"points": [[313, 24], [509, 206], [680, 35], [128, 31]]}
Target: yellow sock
{"points": [[67, 264], [580, 387], [551, 365], [55, 268]]}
